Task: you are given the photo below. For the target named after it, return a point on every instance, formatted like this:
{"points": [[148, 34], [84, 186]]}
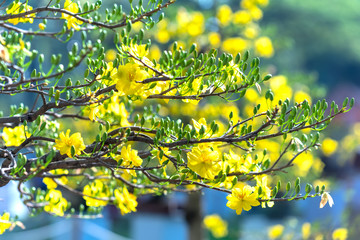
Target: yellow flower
{"points": [[256, 13], [224, 14], [329, 146], [195, 26], [204, 161], [242, 17], [125, 201], [234, 45], [42, 26], [72, 22], [50, 183], [130, 157], [306, 230], [66, 142], [300, 96], [127, 79], [237, 163], [265, 190], [216, 225], [263, 3], [264, 47], [275, 231], [214, 39], [242, 198], [96, 190], [14, 136], [15, 9], [110, 55], [57, 204], [340, 234], [4, 222], [251, 32]]}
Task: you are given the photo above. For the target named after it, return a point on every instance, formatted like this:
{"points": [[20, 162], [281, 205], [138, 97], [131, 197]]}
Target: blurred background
{"points": [[314, 46]]}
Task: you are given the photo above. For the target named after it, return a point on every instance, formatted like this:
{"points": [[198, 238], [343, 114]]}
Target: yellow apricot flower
{"points": [[42, 26], [57, 204], [130, 157], [265, 190], [216, 225], [234, 45], [50, 183], [329, 146], [15, 9], [251, 32], [72, 22], [110, 55], [66, 142], [306, 230], [340, 234], [96, 190], [242, 17], [238, 163], [262, 3], [125, 201], [14, 136], [275, 231], [224, 15], [127, 79], [300, 96], [4, 222], [196, 25], [204, 161], [214, 39], [242, 198], [264, 47]]}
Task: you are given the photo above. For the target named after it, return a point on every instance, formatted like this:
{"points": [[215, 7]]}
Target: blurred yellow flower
{"points": [[242, 198], [50, 183], [15, 9], [214, 39], [340, 234], [300, 96], [264, 47], [234, 45], [72, 22], [14, 136], [216, 225], [265, 190], [155, 52], [125, 201], [306, 230], [256, 13], [224, 15], [242, 17], [57, 204], [66, 142], [4, 222], [42, 26], [97, 189], [247, 4], [262, 3], [329, 146], [251, 32], [275, 231], [110, 55]]}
